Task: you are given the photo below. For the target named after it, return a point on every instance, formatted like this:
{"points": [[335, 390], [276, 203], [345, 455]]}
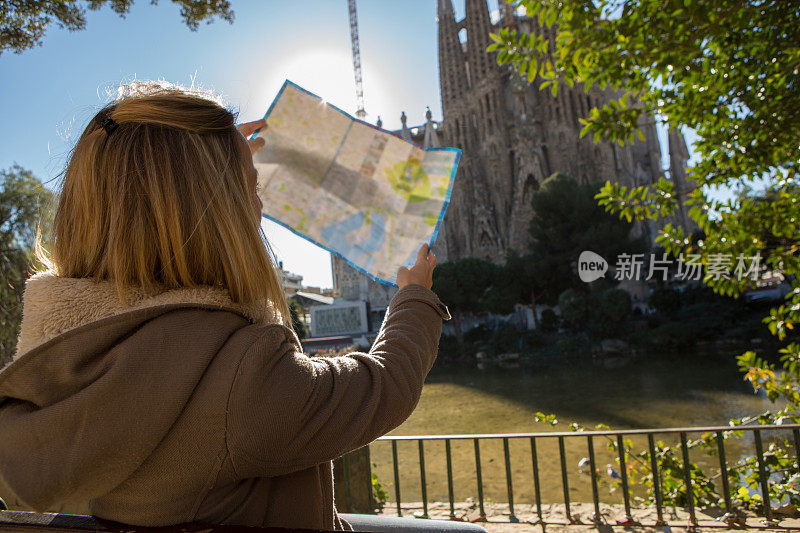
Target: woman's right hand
{"points": [[422, 271]]}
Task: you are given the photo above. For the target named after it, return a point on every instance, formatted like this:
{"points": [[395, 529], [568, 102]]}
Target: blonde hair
{"points": [[162, 202]]}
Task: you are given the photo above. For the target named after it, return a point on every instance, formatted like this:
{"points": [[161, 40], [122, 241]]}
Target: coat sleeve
{"points": [[288, 411]]}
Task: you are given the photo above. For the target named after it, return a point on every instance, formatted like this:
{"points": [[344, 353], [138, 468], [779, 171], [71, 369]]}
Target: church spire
{"points": [[452, 68], [479, 26]]}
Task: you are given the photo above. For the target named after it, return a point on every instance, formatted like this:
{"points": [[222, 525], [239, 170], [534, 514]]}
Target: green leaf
{"points": [[533, 66], [551, 17]]}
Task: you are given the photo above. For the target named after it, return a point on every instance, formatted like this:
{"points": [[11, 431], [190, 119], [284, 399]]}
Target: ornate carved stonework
{"points": [[513, 136]]}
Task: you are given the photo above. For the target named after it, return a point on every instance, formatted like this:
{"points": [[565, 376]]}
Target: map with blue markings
{"points": [[360, 192]]}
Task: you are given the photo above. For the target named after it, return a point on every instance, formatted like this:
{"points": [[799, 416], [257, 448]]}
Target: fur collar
{"points": [[53, 305]]}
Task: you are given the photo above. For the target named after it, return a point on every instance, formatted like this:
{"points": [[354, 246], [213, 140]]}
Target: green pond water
{"points": [[658, 392]]}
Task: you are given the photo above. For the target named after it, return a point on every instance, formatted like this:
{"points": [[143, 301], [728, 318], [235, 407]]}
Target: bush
{"points": [[480, 334], [609, 312], [505, 338], [707, 318], [667, 337], [448, 348], [665, 300], [549, 320], [573, 345], [574, 307], [653, 321], [467, 351], [534, 339]]}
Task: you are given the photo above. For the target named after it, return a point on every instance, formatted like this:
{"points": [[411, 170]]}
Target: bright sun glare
{"points": [[329, 75]]}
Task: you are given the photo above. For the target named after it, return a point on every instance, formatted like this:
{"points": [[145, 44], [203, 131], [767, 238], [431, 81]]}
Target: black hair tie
{"points": [[108, 124]]}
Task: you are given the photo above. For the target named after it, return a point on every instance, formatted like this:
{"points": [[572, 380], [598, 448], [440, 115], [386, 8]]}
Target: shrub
{"points": [[534, 339], [573, 345], [478, 334], [448, 348], [665, 300], [609, 312], [505, 338], [549, 320], [574, 307]]}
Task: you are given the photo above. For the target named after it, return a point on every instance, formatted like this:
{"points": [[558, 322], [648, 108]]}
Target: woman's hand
{"points": [[422, 271], [249, 128]]}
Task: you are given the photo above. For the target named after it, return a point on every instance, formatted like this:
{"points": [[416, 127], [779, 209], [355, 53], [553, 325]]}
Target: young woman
{"points": [[156, 377]]}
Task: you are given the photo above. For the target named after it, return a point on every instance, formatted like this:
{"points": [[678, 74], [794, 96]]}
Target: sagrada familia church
{"points": [[513, 136]]}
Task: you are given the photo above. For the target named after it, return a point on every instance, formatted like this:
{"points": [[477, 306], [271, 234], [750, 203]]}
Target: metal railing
{"points": [[590, 437]]}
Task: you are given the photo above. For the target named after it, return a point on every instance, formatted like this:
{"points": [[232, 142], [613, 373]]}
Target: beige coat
{"points": [[186, 407]]}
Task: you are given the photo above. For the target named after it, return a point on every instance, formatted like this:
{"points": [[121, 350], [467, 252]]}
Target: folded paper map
{"points": [[360, 192]]}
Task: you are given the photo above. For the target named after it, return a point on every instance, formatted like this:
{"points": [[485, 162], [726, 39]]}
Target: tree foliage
{"points": [[23, 199], [24, 24], [296, 311], [464, 285], [510, 285], [567, 221]]}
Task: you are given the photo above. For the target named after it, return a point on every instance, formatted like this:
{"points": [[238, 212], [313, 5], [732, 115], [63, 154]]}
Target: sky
{"points": [[49, 93]]}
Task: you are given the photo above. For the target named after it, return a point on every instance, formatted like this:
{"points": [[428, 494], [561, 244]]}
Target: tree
{"points": [[575, 307], [609, 313], [567, 221], [464, 285], [296, 310], [23, 199], [517, 281], [23, 24], [505, 289]]}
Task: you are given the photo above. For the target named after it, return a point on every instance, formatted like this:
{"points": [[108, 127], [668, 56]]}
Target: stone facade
{"points": [[513, 136]]}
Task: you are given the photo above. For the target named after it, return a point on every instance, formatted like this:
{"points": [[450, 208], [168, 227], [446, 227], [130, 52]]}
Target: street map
{"points": [[360, 192]]}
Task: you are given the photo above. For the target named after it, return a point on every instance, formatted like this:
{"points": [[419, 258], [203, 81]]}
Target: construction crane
{"points": [[351, 6]]}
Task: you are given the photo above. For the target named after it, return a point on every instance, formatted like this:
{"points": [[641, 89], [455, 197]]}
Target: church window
{"points": [[530, 186], [484, 240], [547, 159], [572, 104]]}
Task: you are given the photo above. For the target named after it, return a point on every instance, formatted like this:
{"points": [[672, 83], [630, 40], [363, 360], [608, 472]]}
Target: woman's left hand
{"points": [[248, 128]]}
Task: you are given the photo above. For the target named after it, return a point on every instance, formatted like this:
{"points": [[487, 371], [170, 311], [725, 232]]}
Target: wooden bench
{"points": [[23, 521], [353, 494]]}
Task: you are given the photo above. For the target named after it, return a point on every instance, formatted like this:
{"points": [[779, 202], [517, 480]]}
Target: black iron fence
{"points": [[590, 437]]}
